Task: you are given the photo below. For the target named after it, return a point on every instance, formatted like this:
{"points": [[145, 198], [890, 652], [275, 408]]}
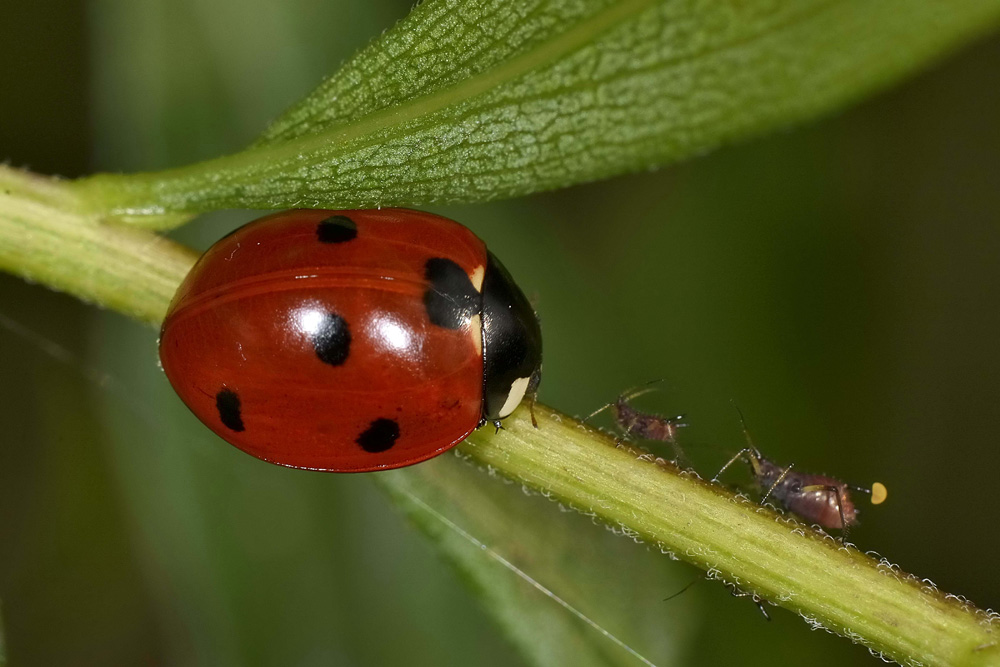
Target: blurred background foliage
{"points": [[839, 281]]}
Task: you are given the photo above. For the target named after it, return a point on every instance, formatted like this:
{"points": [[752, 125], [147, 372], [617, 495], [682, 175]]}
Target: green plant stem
{"points": [[46, 236], [831, 585], [43, 237]]}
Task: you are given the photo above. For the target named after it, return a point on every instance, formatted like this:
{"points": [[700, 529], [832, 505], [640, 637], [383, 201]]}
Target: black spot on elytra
{"points": [[451, 300], [227, 402], [380, 436], [336, 229], [332, 339]]}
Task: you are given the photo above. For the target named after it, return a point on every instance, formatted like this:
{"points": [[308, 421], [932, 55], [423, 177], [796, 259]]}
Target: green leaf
{"points": [[488, 528], [471, 100]]}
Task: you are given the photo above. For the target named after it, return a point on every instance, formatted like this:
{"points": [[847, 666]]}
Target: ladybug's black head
{"points": [[512, 343]]}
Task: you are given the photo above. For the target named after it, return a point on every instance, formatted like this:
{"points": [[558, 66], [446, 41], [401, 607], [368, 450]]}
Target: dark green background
{"points": [[840, 281]]}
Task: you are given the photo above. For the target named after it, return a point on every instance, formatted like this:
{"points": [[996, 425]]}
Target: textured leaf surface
{"points": [[470, 100]]}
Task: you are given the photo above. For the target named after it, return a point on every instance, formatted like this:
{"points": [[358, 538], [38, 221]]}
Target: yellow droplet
{"points": [[879, 493]]}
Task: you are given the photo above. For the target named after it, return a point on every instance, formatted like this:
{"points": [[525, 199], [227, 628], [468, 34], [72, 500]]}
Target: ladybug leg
{"points": [[531, 408], [497, 424], [536, 379]]}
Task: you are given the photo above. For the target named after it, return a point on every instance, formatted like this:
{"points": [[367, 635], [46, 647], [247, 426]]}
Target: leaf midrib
{"points": [[551, 50]]}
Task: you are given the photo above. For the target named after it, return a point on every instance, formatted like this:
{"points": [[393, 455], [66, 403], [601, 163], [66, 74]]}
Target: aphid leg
{"points": [[624, 436], [760, 605], [680, 458], [683, 590], [844, 525], [739, 593], [809, 488], [746, 452], [598, 411], [781, 478]]}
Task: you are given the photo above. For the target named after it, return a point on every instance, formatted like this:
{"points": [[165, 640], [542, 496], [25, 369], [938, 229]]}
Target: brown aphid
{"points": [[819, 499], [643, 425]]}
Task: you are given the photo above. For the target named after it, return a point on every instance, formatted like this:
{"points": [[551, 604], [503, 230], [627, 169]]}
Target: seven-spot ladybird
{"points": [[350, 341]]}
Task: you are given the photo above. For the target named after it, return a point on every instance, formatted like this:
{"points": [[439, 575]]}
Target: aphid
{"points": [[642, 425], [817, 498]]}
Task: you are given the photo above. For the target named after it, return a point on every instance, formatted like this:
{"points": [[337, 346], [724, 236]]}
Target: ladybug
{"points": [[350, 341]]}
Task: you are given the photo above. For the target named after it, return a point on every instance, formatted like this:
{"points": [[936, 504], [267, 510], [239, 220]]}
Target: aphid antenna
{"points": [[750, 453], [746, 430], [627, 395], [640, 390]]}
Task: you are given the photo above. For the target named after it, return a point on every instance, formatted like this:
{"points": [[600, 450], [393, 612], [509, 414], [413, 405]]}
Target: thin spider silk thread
{"points": [[105, 381], [525, 576]]}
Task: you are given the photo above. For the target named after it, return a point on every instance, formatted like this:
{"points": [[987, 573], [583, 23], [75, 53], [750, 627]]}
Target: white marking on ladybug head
{"points": [[477, 276], [476, 331], [514, 396]]}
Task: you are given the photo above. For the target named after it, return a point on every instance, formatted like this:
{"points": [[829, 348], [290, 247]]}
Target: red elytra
{"points": [[349, 341]]}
